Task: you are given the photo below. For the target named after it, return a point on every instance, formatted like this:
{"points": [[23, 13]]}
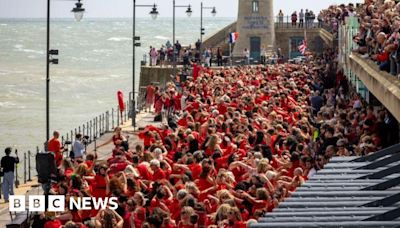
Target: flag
{"points": [[303, 47], [233, 37]]}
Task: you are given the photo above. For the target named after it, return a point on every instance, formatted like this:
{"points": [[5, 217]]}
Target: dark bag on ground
{"points": [[45, 167], [158, 118]]}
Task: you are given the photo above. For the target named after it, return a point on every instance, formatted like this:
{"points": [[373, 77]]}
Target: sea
{"points": [[95, 61]]}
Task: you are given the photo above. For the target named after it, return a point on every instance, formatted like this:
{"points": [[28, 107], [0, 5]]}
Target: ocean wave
{"points": [[19, 47], [161, 37], [3, 24], [119, 39], [7, 104]]}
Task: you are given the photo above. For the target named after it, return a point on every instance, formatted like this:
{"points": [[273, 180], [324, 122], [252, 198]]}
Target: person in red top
{"points": [[150, 90], [158, 173], [54, 146]]}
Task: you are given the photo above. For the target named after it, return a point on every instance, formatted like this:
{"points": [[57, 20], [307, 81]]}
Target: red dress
{"points": [[99, 188], [150, 95]]}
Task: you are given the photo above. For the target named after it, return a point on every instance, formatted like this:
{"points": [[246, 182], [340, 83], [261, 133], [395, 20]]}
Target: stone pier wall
{"points": [[157, 74]]}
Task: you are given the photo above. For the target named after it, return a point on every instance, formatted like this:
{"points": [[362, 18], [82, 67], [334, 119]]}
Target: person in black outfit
{"points": [[8, 167], [219, 56]]}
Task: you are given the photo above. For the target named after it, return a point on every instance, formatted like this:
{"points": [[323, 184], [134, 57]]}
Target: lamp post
{"points": [[189, 14], [213, 13], [154, 13], [50, 53]]}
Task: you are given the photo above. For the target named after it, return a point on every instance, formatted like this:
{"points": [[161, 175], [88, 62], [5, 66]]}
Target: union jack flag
{"points": [[303, 46]]}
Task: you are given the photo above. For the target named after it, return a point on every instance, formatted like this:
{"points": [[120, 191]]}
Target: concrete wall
{"points": [[385, 87], [314, 37], [155, 74]]}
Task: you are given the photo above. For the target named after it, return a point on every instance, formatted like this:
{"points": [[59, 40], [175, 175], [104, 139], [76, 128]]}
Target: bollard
{"points": [[72, 138], [29, 165], [25, 168], [67, 137], [83, 130], [37, 150], [79, 129], [62, 140], [75, 132]]}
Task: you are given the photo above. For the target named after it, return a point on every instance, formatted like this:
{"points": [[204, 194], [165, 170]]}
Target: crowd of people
{"points": [[237, 142], [234, 142], [185, 55], [301, 19], [378, 37]]}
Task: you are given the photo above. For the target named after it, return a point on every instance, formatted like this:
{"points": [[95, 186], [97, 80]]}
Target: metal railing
{"points": [[286, 22], [91, 130]]}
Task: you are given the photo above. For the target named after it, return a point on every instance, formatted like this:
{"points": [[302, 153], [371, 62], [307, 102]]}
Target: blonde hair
{"points": [[222, 213], [81, 170]]}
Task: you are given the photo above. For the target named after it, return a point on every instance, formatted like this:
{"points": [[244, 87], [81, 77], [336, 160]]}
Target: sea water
{"points": [[95, 61]]}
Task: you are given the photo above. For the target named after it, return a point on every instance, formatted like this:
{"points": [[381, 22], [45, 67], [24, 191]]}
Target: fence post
{"points": [[16, 176], [76, 132], [29, 165], [83, 130], [96, 126], [87, 128], [62, 140], [126, 105], [25, 168], [117, 117], [112, 117], [79, 129], [67, 137], [72, 133], [107, 121], [91, 132], [104, 123]]}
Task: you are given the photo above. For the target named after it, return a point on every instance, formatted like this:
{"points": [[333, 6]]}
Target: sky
{"points": [[123, 8]]}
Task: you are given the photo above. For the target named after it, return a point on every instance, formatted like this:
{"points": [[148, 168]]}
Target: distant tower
{"points": [[256, 27]]}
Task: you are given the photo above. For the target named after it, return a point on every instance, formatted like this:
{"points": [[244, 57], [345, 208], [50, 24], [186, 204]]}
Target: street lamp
{"points": [[78, 11], [213, 13], [50, 58], [154, 14], [189, 14]]}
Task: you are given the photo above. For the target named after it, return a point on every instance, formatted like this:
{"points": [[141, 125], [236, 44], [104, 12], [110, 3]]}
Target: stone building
{"points": [[256, 27]]}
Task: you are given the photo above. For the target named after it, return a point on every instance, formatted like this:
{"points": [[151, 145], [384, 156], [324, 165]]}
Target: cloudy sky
{"points": [[123, 8]]}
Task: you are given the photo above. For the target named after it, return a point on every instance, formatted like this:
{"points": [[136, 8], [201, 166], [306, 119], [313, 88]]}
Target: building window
{"points": [[255, 6]]}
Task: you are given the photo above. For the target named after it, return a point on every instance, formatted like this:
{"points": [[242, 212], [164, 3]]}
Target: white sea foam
{"points": [[119, 39], [7, 104], [18, 46], [3, 24], [161, 37]]}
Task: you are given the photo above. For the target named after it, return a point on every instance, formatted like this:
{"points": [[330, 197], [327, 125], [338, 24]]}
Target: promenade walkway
{"points": [[30, 188]]}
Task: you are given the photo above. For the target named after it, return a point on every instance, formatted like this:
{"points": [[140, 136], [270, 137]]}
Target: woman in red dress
{"points": [[150, 90]]}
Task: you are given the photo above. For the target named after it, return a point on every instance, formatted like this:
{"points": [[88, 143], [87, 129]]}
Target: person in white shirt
{"points": [[246, 56], [78, 147]]}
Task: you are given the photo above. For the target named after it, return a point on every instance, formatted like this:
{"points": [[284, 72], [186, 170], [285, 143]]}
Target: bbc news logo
{"points": [[56, 203]]}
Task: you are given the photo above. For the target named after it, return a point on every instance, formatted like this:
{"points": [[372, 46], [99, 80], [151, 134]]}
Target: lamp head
{"points": [[214, 12], [154, 12], [189, 11], [78, 11]]}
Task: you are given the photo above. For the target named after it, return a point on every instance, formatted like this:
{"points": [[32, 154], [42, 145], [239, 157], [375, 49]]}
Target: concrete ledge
{"points": [[385, 87], [326, 36]]}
